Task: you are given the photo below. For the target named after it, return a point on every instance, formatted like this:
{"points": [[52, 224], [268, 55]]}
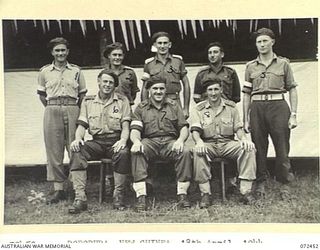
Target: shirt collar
{"points": [[121, 68], [207, 104], [216, 69], [168, 58], [68, 66], [150, 104], [258, 60], [115, 97]]}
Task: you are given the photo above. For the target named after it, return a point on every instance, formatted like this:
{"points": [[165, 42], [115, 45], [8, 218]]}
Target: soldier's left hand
{"points": [[177, 146], [121, 144], [292, 122], [186, 114], [247, 145]]}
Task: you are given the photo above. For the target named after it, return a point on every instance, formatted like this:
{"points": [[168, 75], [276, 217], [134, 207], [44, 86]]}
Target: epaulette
{"points": [[204, 68], [149, 60], [229, 68], [121, 96], [229, 103], [284, 58], [74, 65], [89, 97], [44, 66], [143, 104], [250, 62], [201, 105], [177, 56], [127, 67]]}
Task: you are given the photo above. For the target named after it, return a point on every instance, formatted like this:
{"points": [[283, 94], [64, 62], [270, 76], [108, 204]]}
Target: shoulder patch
{"points": [[89, 97], [201, 105], [284, 58], [177, 56], [149, 60], [43, 67], [229, 103], [127, 67]]}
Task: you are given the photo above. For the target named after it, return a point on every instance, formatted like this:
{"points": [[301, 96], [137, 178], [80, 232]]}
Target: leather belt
{"points": [[62, 100], [267, 97]]}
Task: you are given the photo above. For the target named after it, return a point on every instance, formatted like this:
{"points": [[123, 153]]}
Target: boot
{"points": [[78, 206], [183, 201], [57, 196], [141, 204], [205, 201]]}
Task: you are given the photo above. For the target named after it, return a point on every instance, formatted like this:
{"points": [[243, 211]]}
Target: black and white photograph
{"points": [[161, 121]]}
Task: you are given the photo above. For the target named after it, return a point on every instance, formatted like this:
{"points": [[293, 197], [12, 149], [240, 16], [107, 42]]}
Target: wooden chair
{"points": [[223, 185]]}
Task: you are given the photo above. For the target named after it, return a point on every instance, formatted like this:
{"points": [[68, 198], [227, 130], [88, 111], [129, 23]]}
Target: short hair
{"points": [[155, 36], [264, 31], [111, 47], [215, 44], [56, 41], [110, 73], [154, 80], [210, 82]]}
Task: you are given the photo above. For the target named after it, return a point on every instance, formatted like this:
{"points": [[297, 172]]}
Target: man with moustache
{"points": [[169, 67], [159, 130], [214, 123], [61, 88], [107, 117], [268, 78]]}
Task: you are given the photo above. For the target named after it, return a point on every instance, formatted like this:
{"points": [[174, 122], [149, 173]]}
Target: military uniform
{"points": [[173, 71], [269, 112], [103, 121], [127, 82], [228, 76], [217, 131], [61, 88], [159, 129]]}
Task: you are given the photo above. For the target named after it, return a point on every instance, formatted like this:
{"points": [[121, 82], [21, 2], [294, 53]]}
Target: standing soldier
{"points": [[107, 116], [214, 123], [127, 78], [169, 67], [61, 89], [268, 77], [216, 69], [159, 130]]}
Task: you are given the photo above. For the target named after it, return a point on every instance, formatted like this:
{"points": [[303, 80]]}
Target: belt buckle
{"points": [[266, 97]]}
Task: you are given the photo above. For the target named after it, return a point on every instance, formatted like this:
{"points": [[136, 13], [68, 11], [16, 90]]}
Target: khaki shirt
{"points": [[104, 118], [173, 71], [228, 76], [127, 82], [221, 125], [54, 82], [275, 78], [153, 122]]}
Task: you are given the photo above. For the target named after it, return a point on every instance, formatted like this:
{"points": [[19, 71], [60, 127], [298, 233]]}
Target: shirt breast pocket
{"points": [[73, 84], [170, 122], [150, 125], [154, 72], [276, 80], [94, 121], [115, 121], [226, 126], [50, 84], [257, 80]]}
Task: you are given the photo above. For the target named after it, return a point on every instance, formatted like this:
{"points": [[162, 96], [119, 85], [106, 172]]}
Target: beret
{"points": [[154, 80], [212, 81], [111, 47], [155, 36]]}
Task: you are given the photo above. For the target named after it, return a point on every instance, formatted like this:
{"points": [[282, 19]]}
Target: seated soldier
{"points": [[107, 116], [159, 130], [214, 123]]}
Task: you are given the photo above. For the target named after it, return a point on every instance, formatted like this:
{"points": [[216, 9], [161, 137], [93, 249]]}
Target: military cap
{"points": [[155, 36], [111, 47], [155, 80], [215, 44], [210, 82], [56, 41], [110, 73], [264, 31]]}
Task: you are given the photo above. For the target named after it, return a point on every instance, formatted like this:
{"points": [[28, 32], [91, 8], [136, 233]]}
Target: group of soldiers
{"points": [[158, 126]]}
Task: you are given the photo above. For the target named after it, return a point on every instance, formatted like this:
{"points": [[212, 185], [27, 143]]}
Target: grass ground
{"points": [[304, 206]]}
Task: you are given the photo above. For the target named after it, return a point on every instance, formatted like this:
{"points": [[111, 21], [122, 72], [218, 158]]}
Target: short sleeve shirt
{"points": [[173, 71], [127, 82], [153, 122], [275, 78], [54, 82], [104, 118], [228, 76], [222, 124]]}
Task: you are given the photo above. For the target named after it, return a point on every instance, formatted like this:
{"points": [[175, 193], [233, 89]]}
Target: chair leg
{"points": [[223, 186], [102, 182]]}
